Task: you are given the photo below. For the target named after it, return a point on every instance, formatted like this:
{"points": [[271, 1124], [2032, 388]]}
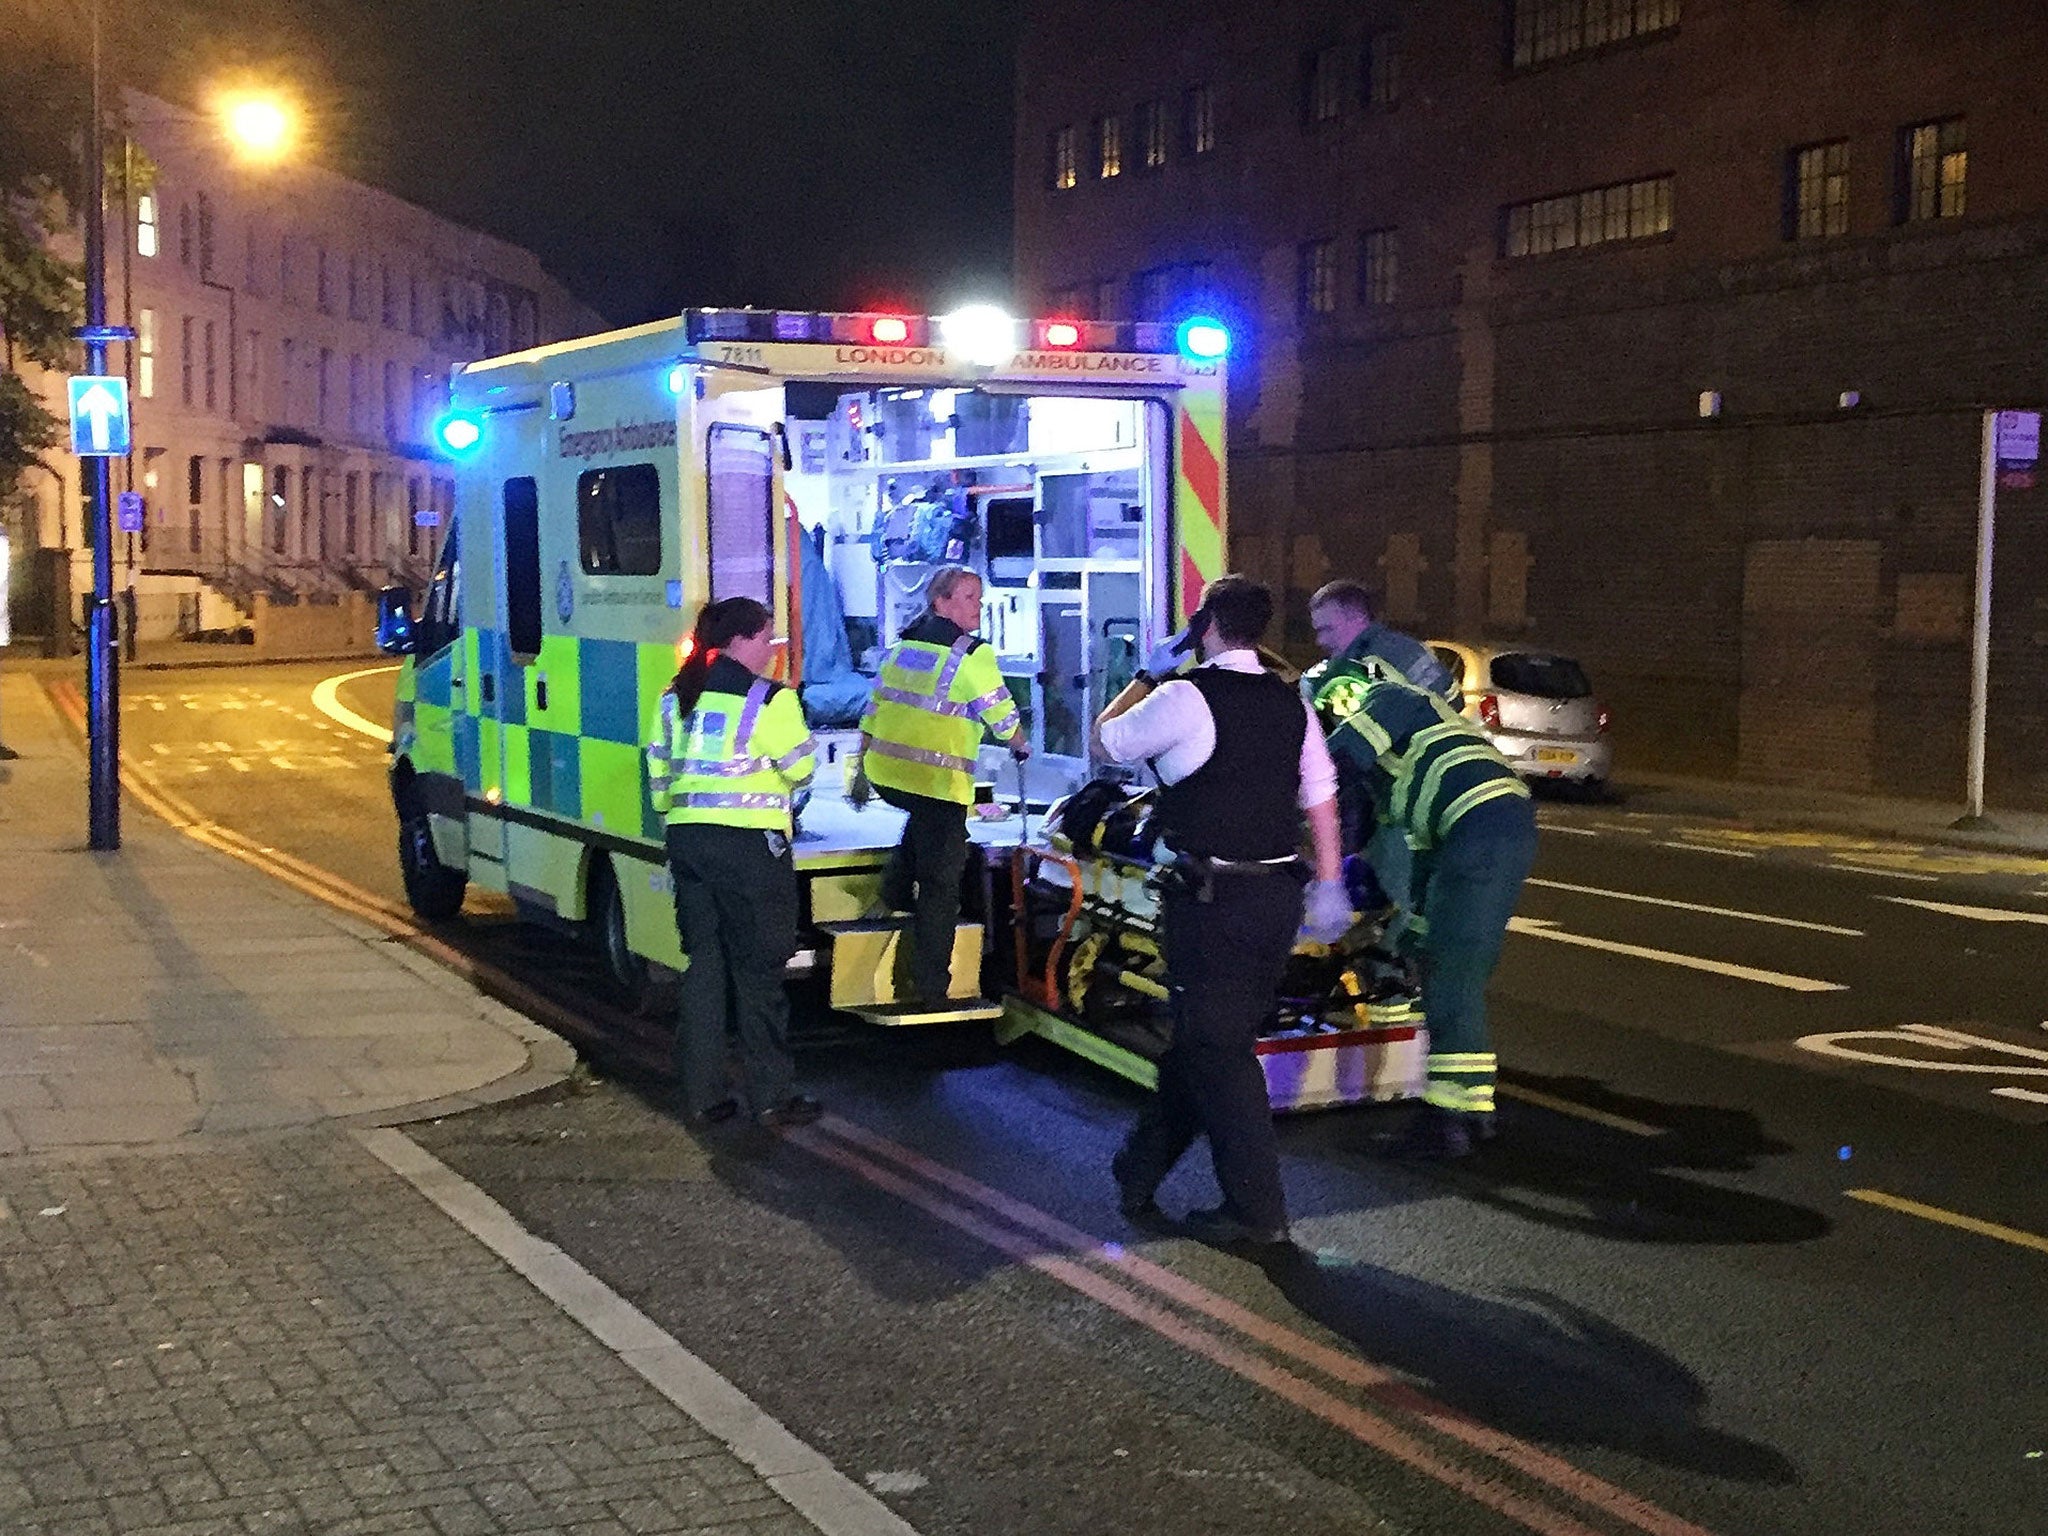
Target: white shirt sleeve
{"points": [[1171, 718], [1318, 772]]}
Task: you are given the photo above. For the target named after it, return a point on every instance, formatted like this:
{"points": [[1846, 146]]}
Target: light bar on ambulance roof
{"points": [[459, 433], [974, 335]]}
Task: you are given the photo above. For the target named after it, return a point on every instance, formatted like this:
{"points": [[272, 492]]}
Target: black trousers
{"points": [[736, 909], [1223, 964], [923, 877]]}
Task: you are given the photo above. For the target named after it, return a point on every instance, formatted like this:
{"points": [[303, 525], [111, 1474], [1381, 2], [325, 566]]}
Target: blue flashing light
{"points": [[459, 432], [678, 376], [1204, 339]]}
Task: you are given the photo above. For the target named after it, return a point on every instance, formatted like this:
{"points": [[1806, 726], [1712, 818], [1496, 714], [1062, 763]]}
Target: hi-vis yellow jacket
{"points": [[939, 689], [737, 759]]}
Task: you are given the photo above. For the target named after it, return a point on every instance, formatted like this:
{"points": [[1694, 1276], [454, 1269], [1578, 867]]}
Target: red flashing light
{"points": [[889, 330], [1062, 333], [1489, 711]]}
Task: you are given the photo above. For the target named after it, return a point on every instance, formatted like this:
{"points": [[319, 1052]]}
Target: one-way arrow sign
{"points": [[99, 415]]}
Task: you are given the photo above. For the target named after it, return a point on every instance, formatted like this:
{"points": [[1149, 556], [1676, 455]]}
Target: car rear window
{"points": [[1545, 677]]}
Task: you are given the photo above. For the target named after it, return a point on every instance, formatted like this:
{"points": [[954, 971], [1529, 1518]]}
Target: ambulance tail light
{"points": [[459, 433], [1489, 711]]}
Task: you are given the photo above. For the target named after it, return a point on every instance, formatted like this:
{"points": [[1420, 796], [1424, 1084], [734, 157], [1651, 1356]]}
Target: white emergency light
{"points": [[980, 334]]}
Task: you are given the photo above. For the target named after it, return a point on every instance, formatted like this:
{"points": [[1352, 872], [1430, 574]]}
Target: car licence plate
{"points": [[1555, 755]]}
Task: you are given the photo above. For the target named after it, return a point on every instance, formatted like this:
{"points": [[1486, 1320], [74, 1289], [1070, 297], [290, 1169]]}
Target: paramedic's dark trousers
{"points": [[1466, 891], [1223, 964], [923, 877], [736, 909]]}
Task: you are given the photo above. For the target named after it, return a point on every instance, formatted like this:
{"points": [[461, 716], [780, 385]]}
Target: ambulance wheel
{"points": [[432, 889], [631, 977]]}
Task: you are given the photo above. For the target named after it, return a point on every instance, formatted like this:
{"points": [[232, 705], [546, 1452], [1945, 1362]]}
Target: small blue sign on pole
{"points": [[99, 415], [128, 512]]}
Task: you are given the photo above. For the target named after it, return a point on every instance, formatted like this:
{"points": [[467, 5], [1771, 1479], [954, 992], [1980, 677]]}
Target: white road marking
{"points": [[1928, 1037], [1552, 826], [2026, 1094], [1888, 874], [1694, 906], [1724, 853], [1542, 928], [1981, 914], [326, 699], [285, 763]]}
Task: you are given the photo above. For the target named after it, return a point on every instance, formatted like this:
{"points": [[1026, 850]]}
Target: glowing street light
{"points": [[261, 127]]}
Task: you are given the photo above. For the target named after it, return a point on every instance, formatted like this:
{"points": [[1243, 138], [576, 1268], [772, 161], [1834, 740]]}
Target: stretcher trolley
{"points": [[1087, 972]]}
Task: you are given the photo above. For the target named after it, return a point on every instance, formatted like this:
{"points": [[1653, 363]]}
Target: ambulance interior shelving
{"points": [[1056, 502]]}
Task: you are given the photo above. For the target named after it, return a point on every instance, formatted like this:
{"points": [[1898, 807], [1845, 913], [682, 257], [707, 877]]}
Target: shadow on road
{"points": [[1536, 1366]]}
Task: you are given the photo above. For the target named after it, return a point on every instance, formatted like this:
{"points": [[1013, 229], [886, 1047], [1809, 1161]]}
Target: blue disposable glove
{"points": [[1327, 914], [1165, 658]]}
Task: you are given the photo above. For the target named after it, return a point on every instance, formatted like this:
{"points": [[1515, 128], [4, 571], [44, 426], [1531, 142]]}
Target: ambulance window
{"points": [[522, 565], [441, 614], [618, 520], [742, 513]]}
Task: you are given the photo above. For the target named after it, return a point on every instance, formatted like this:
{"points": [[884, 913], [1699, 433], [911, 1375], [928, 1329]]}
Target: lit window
{"points": [[1554, 29], [1319, 277], [1322, 86], [1937, 168], [145, 353], [1153, 133], [1109, 147], [1382, 75], [1063, 159], [1817, 192], [1630, 210], [1379, 267], [145, 225], [1198, 119]]}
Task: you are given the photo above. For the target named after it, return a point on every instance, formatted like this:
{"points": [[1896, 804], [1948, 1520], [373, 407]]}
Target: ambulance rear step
{"points": [[864, 968]]}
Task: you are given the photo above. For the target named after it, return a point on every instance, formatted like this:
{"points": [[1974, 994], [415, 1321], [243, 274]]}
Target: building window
{"points": [[1322, 86], [391, 402], [351, 510], [1379, 267], [184, 234], [323, 282], [390, 297], [1817, 191], [1554, 29], [145, 225], [323, 389], [186, 350], [1063, 158], [1109, 147], [358, 289], [416, 315], [1198, 119], [1152, 134], [287, 269], [1630, 210], [1936, 169], [1318, 287], [1151, 293], [210, 369], [287, 359], [195, 496], [145, 353], [358, 394], [1381, 76], [205, 238], [1109, 299]]}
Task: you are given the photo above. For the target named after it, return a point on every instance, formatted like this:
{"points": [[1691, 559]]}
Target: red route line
{"points": [[1366, 1427], [1390, 1390]]}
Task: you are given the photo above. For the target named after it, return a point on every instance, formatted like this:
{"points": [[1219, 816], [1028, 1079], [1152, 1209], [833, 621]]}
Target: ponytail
{"points": [[718, 624]]}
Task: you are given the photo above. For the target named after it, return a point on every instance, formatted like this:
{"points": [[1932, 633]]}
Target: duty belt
{"points": [[1194, 874]]}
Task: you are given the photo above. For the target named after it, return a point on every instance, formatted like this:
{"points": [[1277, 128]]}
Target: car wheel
{"points": [[631, 977], [432, 889]]}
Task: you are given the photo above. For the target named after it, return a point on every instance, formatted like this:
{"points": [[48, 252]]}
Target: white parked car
{"points": [[1537, 707]]}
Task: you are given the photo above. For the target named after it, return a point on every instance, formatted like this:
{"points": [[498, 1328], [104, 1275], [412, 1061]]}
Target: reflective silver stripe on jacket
{"points": [[716, 801], [756, 696], [921, 755], [938, 706], [786, 764], [952, 667], [989, 700], [732, 768]]}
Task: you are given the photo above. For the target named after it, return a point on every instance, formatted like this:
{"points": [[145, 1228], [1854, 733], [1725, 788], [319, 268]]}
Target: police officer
{"points": [[1432, 775], [728, 753], [1241, 762], [938, 691]]}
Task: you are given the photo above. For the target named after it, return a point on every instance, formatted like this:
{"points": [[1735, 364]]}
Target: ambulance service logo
{"points": [[565, 593]]}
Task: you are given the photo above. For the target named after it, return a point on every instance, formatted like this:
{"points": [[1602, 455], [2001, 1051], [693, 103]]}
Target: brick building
{"points": [[1657, 330], [295, 334]]}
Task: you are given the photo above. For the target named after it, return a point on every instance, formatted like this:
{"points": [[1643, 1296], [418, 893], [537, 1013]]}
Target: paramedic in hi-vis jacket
{"points": [[1431, 775], [1242, 763], [728, 753], [939, 690]]}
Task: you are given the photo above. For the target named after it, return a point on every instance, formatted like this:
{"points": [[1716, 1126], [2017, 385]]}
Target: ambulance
{"points": [[827, 465]]}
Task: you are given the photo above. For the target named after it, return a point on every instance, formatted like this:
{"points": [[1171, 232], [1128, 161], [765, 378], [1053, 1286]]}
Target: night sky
{"points": [[659, 153]]}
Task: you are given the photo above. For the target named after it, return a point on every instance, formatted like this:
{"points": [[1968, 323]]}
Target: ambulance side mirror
{"points": [[394, 622]]}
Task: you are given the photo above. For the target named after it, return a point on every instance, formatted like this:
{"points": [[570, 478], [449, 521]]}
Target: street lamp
{"points": [[261, 126]]}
